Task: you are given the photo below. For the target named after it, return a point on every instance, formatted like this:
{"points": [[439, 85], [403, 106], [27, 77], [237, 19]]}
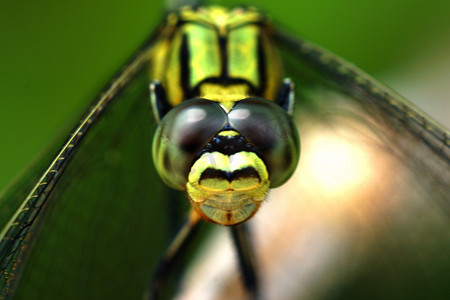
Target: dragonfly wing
{"points": [[95, 208], [376, 171], [420, 142], [370, 92]]}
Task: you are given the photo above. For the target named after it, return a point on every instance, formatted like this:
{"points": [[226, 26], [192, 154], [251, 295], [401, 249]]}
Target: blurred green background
{"points": [[56, 55]]}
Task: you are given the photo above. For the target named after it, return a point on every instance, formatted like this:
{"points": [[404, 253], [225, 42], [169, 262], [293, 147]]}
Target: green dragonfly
{"points": [[116, 263]]}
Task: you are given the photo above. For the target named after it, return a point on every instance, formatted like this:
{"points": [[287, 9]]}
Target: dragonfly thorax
{"points": [[214, 45]]}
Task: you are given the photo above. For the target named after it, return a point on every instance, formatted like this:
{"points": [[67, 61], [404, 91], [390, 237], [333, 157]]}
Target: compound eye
{"points": [[272, 132], [181, 134]]}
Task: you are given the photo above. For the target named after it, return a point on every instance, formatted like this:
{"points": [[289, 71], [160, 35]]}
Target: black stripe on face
{"points": [[211, 173], [244, 173]]}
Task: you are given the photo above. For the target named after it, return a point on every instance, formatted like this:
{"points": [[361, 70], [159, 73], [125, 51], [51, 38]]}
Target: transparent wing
{"points": [[392, 219], [353, 81], [366, 215], [420, 143], [82, 219]]}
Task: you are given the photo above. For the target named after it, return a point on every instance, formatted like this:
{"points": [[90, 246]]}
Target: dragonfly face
{"points": [[227, 147]]}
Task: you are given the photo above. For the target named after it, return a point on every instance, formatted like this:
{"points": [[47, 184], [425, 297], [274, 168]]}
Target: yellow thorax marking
{"points": [[220, 17], [227, 96]]}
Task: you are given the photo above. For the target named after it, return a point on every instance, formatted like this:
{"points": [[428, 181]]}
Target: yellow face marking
{"points": [[226, 163], [220, 200], [244, 183]]}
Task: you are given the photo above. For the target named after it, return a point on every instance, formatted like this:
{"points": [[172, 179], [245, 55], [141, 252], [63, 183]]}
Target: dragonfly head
{"points": [[226, 159]]}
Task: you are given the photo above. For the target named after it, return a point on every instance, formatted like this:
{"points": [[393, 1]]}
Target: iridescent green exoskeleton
{"points": [[94, 221]]}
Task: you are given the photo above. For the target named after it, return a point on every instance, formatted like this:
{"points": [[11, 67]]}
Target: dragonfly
{"points": [[105, 205]]}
